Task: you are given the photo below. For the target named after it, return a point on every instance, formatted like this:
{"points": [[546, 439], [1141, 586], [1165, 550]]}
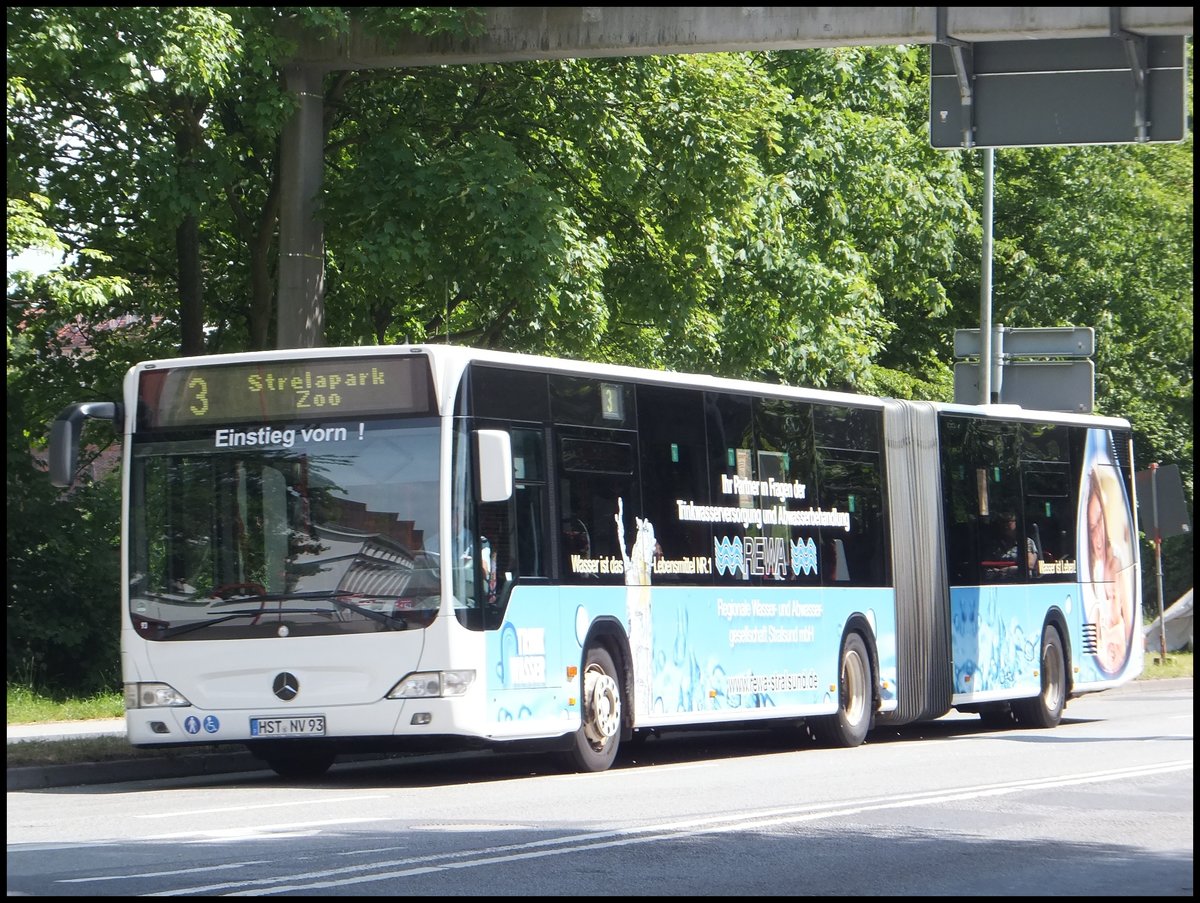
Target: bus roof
{"points": [[450, 360]]}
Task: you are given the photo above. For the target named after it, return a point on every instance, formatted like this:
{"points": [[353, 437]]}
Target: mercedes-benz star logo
{"points": [[286, 686]]}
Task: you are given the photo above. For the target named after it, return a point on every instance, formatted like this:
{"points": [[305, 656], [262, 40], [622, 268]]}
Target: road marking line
{"points": [[341, 877], [305, 802]]}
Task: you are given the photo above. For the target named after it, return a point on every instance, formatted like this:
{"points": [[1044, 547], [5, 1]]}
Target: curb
{"points": [[41, 777], [172, 764]]}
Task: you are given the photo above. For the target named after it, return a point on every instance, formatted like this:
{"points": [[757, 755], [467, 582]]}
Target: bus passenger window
{"points": [[495, 550], [1003, 561], [597, 477], [529, 481]]}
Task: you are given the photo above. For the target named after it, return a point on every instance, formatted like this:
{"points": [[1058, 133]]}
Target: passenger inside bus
{"points": [[1002, 561]]}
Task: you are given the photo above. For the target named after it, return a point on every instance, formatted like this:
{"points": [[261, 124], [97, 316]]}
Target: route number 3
{"points": [[199, 405]]}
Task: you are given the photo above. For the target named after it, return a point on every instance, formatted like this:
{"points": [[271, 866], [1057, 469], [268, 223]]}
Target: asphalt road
{"points": [[1100, 806]]}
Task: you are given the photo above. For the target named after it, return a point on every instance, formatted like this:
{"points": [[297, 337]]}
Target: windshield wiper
{"points": [[268, 597], [166, 632], [391, 621], [337, 597]]}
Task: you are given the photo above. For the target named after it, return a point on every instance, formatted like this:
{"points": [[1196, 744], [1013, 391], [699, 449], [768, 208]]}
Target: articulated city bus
{"points": [[431, 547]]}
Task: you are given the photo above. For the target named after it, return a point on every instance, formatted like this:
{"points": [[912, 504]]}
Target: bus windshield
{"points": [[285, 531]]}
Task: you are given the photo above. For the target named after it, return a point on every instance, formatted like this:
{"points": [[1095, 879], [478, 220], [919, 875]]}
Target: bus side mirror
{"points": [[493, 452], [65, 431]]}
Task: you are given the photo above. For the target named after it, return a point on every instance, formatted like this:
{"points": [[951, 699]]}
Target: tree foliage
{"points": [[63, 550], [769, 215]]}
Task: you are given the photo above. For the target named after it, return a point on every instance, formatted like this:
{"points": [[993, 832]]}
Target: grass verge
{"points": [[28, 706], [1176, 664]]}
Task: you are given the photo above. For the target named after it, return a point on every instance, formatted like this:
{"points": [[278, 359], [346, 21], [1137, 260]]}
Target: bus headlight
{"points": [[153, 696], [429, 684]]}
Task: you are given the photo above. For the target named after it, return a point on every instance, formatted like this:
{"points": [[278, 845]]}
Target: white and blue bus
{"points": [[431, 547]]}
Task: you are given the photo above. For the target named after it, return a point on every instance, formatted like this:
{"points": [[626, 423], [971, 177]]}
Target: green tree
{"points": [[874, 223], [725, 212], [156, 132], [143, 147], [63, 548]]}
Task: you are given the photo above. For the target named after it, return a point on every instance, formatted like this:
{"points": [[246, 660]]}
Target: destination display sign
{"points": [[284, 390]]}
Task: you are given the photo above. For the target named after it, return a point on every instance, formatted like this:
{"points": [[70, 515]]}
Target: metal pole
{"points": [[1162, 620], [985, 284]]}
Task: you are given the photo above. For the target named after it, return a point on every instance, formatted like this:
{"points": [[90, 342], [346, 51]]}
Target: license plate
{"points": [[288, 726]]}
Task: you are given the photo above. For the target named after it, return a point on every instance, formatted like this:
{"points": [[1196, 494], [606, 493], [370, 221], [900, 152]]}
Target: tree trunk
{"points": [[262, 284], [187, 249], [191, 286]]}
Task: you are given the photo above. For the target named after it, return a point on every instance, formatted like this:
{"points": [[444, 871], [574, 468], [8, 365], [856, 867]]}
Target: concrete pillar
{"points": [[301, 308]]}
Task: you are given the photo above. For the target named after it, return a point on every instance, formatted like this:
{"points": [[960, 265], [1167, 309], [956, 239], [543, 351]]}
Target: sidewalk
{"points": [[67, 730]]}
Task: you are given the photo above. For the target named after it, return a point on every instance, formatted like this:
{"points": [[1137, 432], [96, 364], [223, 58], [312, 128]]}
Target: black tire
{"points": [[849, 725], [594, 745], [1045, 710], [300, 762]]}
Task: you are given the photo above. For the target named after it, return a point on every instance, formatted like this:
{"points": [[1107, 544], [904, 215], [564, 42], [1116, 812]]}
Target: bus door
{"points": [[606, 543], [511, 536], [599, 504]]}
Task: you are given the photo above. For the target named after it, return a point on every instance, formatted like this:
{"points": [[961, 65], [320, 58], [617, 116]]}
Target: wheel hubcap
{"points": [[1052, 669], [603, 712], [854, 683]]}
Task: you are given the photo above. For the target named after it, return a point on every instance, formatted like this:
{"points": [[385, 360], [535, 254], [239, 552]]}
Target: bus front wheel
{"points": [[1045, 709], [848, 726], [594, 745], [299, 761]]}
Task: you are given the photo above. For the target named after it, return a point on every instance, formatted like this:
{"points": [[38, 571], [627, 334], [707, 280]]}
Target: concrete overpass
{"points": [[512, 34]]}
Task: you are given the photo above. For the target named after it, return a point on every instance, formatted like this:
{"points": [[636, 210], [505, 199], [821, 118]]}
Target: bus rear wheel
{"points": [[848, 726], [1045, 710], [594, 745]]}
